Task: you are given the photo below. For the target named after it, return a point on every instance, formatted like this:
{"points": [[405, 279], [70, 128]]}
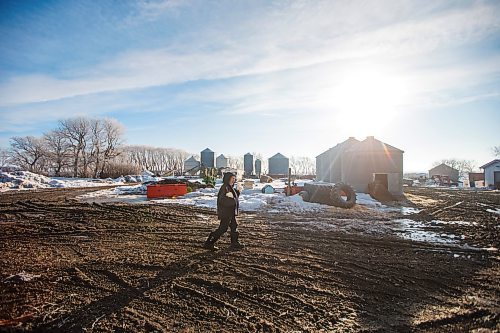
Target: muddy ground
{"points": [[112, 267]]}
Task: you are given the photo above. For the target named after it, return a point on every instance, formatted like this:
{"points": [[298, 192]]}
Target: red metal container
{"points": [[166, 190]]}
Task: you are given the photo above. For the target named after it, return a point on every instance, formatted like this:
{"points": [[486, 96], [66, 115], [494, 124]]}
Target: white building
{"points": [[492, 174]]}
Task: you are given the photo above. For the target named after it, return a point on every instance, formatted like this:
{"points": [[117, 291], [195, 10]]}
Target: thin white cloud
{"points": [[153, 9], [287, 38]]}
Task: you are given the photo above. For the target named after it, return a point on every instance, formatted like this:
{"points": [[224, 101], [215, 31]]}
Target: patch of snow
{"points": [[250, 200], [21, 277], [491, 249], [454, 222], [30, 180], [494, 211], [416, 231], [366, 200], [410, 210]]}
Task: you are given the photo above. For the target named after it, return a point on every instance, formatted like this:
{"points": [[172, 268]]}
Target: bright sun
{"points": [[367, 100]]}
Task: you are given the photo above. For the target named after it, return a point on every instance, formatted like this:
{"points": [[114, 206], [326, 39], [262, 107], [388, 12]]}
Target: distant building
{"points": [[221, 161], [475, 177], [329, 163], [258, 167], [278, 165], [492, 174], [248, 164], [207, 158], [444, 170], [191, 165], [359, 163]]}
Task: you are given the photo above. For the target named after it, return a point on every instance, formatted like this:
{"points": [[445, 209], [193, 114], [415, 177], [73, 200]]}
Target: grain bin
{"points": [[258, 167], [248, 164], [278, 165], [207, 158]]}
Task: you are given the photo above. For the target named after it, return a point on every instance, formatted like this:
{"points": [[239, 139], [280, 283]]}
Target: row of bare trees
{"points": [[88, 147], [302, 165], [155, 159], [77, 147]]}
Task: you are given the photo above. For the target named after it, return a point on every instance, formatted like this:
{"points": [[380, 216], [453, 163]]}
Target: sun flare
{"points": [[366, 101]]}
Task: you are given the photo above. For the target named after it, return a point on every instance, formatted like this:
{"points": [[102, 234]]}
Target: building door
{"points": [[382, 179], [496, 176]]}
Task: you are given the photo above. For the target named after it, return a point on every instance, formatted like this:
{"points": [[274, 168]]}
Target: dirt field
{"points": [[113, 267]]}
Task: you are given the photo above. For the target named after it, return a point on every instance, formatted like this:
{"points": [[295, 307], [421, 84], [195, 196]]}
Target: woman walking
{"points": [[227, 209]]}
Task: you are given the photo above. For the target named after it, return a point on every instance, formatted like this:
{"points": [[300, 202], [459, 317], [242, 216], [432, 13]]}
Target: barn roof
{"points": [[370, 144], [490, 163], [279, 156], [443, 165], [342, 146]]}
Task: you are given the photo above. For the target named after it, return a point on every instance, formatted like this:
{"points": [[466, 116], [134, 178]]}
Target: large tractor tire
{"points": [[319, 193], [336, 198]]}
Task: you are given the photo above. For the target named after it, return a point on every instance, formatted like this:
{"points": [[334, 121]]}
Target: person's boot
{"points": [[210, 242], [235, 244]]}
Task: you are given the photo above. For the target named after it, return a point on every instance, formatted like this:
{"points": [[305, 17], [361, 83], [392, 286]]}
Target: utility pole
{"points": [[289, 188]]}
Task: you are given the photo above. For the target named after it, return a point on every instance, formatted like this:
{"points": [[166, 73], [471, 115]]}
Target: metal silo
{"points": [[221, 161], [207, 158], [278, 165], [191, 164], [258, 167], [248, 164]]}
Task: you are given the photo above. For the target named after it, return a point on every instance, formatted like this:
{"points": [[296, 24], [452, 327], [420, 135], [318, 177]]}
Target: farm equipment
{"points": [[294, 189], [338, 195], [167, 188]]}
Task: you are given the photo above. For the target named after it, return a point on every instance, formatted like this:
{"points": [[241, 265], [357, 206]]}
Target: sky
{"points": [[295, 77]]}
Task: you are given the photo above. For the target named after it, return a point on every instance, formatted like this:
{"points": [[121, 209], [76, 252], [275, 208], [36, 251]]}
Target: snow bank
{"points": [[30, 180], [366, 200], [250, 200]]}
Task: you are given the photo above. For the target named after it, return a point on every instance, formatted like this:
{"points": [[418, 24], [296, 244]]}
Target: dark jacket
{"points": [[227, 207]]}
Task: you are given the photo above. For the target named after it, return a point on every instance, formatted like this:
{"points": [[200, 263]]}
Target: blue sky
{"points": [[236, 76]]}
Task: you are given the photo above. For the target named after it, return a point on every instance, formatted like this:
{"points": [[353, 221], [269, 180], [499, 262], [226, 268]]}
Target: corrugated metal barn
{"points": [[359, 163], [329, 163]]}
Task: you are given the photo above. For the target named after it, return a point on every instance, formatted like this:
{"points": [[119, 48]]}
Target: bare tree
{"points": [[154, 159], [302, 165], [112, 141], [5, 159], [58, 151], [496, 151], [76, 131], [235, 162], [28, 152]]}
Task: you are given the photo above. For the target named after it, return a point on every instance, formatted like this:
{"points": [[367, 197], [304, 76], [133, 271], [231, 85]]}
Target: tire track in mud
{"points": [[141, 267]]}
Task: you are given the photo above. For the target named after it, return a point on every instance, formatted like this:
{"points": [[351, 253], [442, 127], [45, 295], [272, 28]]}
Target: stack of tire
{"points": [[329, 194]]}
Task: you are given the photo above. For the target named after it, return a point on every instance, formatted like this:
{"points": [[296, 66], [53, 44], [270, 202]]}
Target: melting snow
{"points": [[30, 180], [494, 211], [415, 231]]}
